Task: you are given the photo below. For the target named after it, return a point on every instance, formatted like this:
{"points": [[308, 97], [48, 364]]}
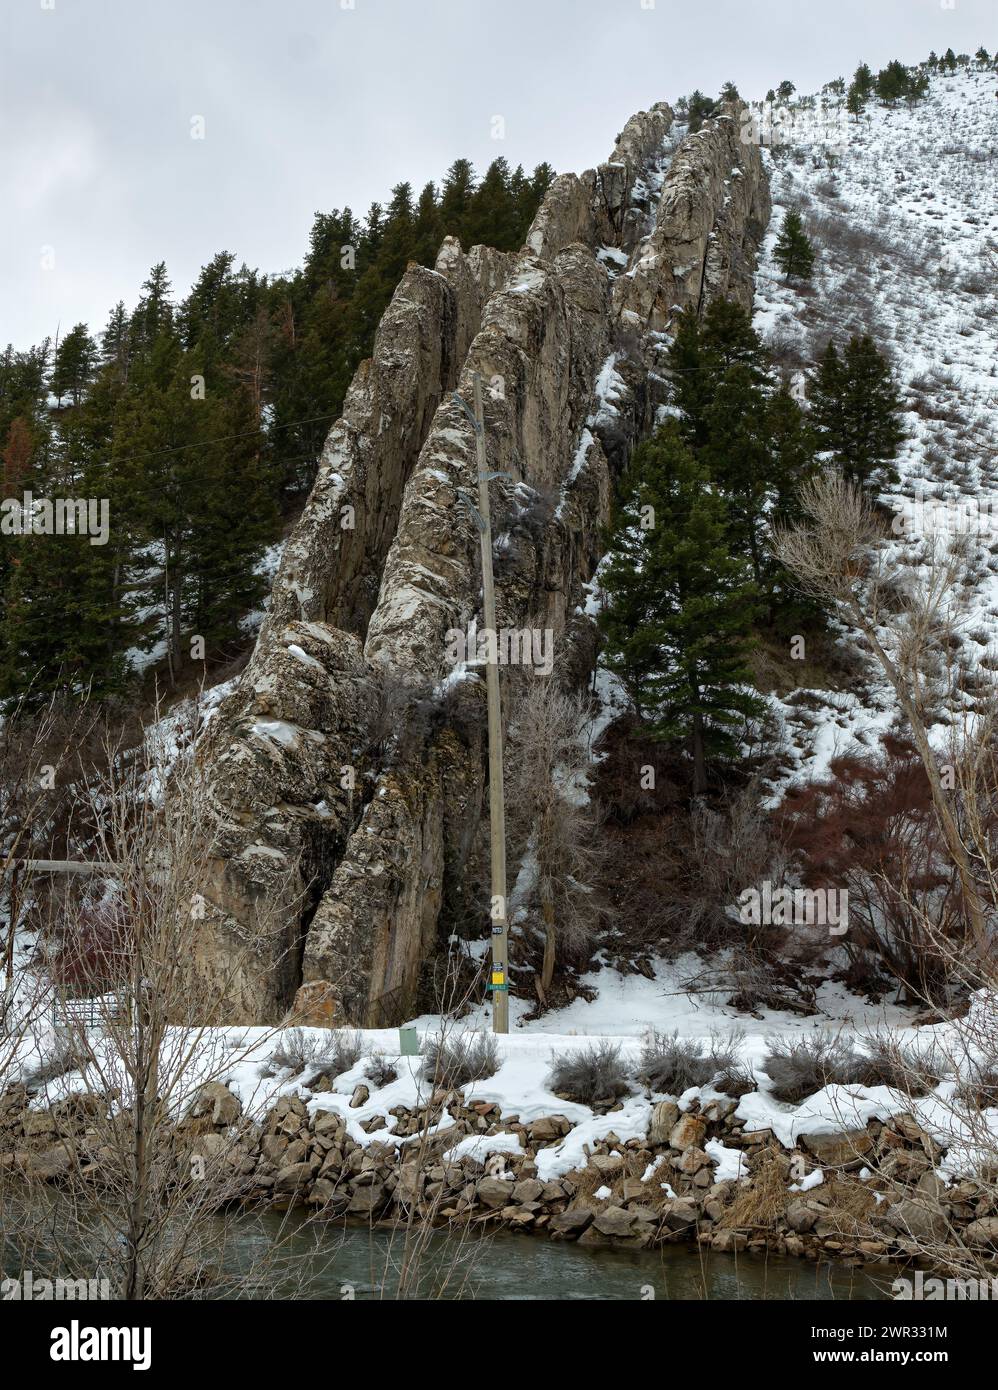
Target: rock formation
{"points": [[345, 773]]}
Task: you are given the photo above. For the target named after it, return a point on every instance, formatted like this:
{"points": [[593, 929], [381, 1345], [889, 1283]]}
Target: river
{"points": [[337, 1262]]}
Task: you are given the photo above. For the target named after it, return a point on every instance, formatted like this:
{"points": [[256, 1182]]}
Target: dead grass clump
{"points": [[761, 1204]]}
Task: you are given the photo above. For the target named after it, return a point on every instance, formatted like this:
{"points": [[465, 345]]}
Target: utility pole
{"points": [[499, 983]]}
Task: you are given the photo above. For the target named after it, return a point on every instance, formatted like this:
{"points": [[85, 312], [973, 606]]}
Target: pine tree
{"points": [[700, 108], [702, 352], [399, 238], [893, 82], [114, 343], [794, 253], [864, 81], [455, 196], [75, 360], [428, 229], [679, 605], [738, 460], [193, 482], [855, 408]]}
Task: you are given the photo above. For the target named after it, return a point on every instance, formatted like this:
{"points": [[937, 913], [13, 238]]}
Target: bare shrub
{"points": [[380, 1069], [452, 1062], [523, 514], [327, 1055], [671, 1065], [402, 716], [749, 980], [870, 829], [591, 1075], [733, 848], [837, 555], [92, 958], [886, 1061], [800, 1066]]}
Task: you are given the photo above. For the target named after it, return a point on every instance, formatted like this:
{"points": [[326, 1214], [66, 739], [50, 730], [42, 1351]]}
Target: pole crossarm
{"points": [[67, 866]]}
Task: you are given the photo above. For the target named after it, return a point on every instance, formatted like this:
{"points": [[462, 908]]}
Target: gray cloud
{"points": [[308, 105]]}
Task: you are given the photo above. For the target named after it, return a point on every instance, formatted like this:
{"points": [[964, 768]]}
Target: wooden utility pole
{"points": [[499, 981]]}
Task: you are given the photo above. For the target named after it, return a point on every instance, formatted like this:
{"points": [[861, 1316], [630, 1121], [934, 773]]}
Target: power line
{"points": [[225, 439]]}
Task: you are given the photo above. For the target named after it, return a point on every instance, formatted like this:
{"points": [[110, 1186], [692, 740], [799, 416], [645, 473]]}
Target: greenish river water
{"points": [[354, 1262]]}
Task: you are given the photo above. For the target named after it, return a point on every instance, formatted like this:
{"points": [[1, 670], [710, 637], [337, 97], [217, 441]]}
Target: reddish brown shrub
{"points": [[91, 953], [870, 829]]}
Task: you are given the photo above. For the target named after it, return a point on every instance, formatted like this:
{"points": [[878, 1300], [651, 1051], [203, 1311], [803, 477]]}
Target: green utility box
{"points": [[408, 1042]]}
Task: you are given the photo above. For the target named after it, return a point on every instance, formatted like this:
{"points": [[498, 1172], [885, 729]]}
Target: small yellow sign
{"points": [[497, 977]]}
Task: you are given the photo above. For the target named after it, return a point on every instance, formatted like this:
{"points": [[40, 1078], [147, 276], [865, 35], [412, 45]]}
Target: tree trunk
{"points": [[547, 910]]}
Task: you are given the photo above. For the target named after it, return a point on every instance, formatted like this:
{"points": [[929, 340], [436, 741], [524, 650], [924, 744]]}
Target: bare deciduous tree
{"points": [[552, 818], [837, 555], [143, 1174]]}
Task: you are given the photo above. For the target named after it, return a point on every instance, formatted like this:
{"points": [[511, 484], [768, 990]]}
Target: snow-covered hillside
{"points": [[904, 217]]}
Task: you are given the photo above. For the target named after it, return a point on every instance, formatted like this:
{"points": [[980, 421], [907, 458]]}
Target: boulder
{"points": [[608, 1165], [921, 1220], [571, 1222], [328, 1122], [801, 1216], [494, 1192], [679, 1214], [51, 1164], [693, 1160], [838, 1150], [663, 1120], [38, 1124], [688, 1132], [367, 1200], [728, 1242], [614, 1221], [322, 1191], [548, 1129], [983, 1233], [293, 1178], [224, 1106]]}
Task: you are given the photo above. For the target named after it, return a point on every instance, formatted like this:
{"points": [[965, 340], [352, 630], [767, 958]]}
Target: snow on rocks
{"points": [[637, 1173]]}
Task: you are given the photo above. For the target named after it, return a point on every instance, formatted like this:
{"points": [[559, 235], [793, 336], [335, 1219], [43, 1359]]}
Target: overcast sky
{"points": [[312, 104]]}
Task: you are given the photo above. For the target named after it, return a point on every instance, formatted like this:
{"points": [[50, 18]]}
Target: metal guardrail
{"points": [[87, 1013]]}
